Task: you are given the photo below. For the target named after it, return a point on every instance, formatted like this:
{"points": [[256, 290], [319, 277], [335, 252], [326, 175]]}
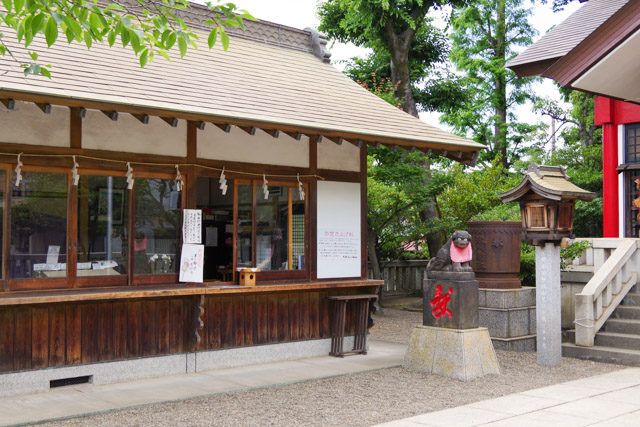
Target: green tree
{"points": [[147, 27], [390, 28], [485, 35]]}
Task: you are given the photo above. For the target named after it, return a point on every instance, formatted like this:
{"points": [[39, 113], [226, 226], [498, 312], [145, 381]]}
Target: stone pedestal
{"points": [[460, 354], [461, 292], [548, 305], [510, 316]]}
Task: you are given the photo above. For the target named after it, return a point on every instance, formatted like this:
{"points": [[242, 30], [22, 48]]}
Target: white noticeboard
{"points": [[192, 226], [339, 248], [192, 263]]}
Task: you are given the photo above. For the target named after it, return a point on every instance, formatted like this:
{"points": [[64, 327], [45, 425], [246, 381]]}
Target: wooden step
{"points": [[603, 354]]}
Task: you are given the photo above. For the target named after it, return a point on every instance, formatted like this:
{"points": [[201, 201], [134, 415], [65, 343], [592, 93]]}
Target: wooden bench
{"points": [[339, 311]]}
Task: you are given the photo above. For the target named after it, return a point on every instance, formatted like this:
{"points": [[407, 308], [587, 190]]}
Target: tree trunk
{"points": [[372, 240], [399, 45]]}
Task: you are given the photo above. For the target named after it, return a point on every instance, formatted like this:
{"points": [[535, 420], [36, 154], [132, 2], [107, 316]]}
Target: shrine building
{"points": [[102, 165]]}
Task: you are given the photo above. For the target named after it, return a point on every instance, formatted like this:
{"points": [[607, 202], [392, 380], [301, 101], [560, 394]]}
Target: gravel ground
{"points": [[354, 400]]}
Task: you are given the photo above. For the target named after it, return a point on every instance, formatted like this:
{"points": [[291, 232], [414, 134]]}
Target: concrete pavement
{"points": [[606, 400], [611, 399]]}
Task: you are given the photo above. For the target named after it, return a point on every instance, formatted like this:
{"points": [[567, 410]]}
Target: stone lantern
{"points": [[547, 201]]}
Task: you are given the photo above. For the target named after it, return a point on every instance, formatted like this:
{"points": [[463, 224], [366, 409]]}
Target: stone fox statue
{"points": [[453, 258]]}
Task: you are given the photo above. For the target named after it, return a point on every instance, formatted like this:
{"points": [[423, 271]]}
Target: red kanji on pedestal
{"points": [[440, 301]]}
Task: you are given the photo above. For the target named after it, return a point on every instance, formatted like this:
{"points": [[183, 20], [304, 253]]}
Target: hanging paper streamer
{"points": [[265, 187], [300, 189], [179, 182], [129, 176], [18, 171], [223, 182], [74, 172]]}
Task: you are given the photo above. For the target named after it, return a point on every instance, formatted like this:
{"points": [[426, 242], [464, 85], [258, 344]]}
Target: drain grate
{"points": [[70, 381]]}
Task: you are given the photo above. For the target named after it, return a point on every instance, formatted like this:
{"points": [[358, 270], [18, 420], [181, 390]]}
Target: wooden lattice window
{"points": [[537, 216]]}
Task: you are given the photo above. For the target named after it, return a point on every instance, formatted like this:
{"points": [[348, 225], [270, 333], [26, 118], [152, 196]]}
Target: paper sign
{"points": [[192, 226], [192, 263], [211, 238], [52, 254]]}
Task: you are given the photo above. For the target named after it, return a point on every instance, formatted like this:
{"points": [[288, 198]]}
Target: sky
{"points": [[302, 13]]}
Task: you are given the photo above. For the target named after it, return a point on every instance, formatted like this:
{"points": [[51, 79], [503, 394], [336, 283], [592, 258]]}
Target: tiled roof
{"points": [[547, 181], [254, 81], [569, 33]]}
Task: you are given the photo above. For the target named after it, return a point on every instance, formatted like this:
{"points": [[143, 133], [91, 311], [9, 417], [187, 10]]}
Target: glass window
{"points": [[157, 229], [217, 228], [279, 228], [245, 226], [632, 143], [103, 218], [39, 226]]}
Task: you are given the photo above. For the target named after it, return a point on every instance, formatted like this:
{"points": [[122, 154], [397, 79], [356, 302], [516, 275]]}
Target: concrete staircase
{"points": [[619, 339]]}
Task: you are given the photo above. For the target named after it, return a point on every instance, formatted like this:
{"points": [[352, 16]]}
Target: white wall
{"points": [[345, 157], [128, 134], [239, 146], [339, 255], [27, 124]]}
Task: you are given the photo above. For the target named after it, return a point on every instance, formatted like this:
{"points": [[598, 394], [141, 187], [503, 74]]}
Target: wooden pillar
{"points": [[313, 208]]}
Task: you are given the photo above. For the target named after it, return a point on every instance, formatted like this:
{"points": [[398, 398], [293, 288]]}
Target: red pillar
{"points": [[610, 180]]}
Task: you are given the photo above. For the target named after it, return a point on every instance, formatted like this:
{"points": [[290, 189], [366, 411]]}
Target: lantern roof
{"points": [[550, 182]]}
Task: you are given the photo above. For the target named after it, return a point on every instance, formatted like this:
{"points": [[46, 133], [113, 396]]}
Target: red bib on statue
{"points": [[461, 255]]}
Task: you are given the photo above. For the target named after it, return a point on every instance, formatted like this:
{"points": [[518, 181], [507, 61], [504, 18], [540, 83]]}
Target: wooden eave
{"points": [[596, 46], [460, 153]]}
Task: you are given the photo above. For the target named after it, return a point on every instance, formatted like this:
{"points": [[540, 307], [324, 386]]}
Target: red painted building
{"points": [[620, 123]]}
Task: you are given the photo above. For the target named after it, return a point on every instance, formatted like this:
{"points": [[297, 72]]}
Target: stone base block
{"points": [[462, 354], [458, 311], [524, 343], [508, 323]]}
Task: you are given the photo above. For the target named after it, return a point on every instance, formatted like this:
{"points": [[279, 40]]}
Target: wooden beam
{"points": [[273, 132], [9, 103], [143, 118], [295, 135], [113, 115], [45, 107], [226, 128], [171, 121], [200, 125], [75, 131], [251, 130]]}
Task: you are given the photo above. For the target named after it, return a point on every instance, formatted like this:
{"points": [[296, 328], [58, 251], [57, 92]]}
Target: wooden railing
{"points": [[403, 277], [616, 264]]}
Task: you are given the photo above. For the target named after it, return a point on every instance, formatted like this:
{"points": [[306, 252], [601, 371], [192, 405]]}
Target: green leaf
{"points": [[144, 57], [17, 5], [58, 17], [33, 56], [51, 32], [182, 45], [213, 36], [224, 38], [164, 54], [87, 40], [7, 4], [124, 36], [111, 38], [37, 24], [171, 40]]}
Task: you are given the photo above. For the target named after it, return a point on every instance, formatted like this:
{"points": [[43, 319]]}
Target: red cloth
{"points": [[461, 255], [140, 245]]}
